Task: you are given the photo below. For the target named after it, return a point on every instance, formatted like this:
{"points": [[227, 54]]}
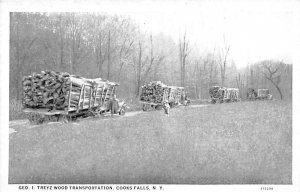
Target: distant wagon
{"points": [[156, 93], [54, 96], [264, 94], [260, 94], [223, 94]]}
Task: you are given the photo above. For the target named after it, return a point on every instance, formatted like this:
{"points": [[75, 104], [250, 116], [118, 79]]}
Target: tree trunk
{"points": [[99, 55], [183, 49], [197, 81], [139, 70], [72, 63], [277, 87], [210, 74], [21, 60], [184, 60], [73, 55], [223, 65], [121, 63], [251, 77], [61, 43], [108, 56], [18, 58], [180, 63]]}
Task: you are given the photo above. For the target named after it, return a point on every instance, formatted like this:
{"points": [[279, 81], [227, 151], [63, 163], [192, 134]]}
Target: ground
{"points": [[231, 143]]}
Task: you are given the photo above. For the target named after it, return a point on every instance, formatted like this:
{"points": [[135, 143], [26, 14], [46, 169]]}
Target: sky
{"points": [[253, 30]]}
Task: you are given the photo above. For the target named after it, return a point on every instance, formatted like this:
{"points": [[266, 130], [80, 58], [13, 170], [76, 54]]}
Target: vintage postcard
{"points": [[149, 95]]}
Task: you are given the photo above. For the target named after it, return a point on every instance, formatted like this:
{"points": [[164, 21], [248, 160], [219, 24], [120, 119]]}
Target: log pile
{"points": [[153, 92], [51, 90], [264, 94], [222, 94], [46, 90], [232, 94], [214, 92]]}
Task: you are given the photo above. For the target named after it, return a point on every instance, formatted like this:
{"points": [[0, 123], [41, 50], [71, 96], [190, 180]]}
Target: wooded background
{"points": [[113, 47]]}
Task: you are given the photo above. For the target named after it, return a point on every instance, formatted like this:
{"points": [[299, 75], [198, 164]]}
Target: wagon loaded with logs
{"points": [[54, 96], [156, 93], [264, 94], [260, 94], [223, 94]]}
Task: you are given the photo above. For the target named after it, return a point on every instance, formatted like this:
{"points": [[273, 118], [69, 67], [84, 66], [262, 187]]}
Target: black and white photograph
{"points": [[150, 95]]}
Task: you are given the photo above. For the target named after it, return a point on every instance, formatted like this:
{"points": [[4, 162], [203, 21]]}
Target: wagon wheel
{"points": [[187, 103], [172, 104], [158, 107], [64, 118], [36, 118], [51, 118], [31, 118], [145, 107], [92, 113]]}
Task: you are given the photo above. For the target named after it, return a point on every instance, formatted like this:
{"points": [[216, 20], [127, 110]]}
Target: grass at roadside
{"points": [[234, 143]]}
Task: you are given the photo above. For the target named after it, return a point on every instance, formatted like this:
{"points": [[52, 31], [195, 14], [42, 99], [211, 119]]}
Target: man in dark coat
{"points": [[114, 104]]}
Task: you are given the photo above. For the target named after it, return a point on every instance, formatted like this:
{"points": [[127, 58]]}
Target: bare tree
{"points": [[196, 78], [271, 71], [151, 58], [61, 34], [240, 83], [98, 43], [139, 70], [99, 54], [183, 53], [223, 61], [159, 60], [143, 70], [124, 53], [199, 77], [108, 55], [212, 63]]}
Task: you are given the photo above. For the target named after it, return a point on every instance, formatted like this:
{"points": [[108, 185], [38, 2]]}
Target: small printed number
{"points": [[266, 188]]}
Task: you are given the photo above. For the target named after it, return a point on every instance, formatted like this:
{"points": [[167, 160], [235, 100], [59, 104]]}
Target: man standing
{"points": [[114, 104], [187, 101], [166, 108]]}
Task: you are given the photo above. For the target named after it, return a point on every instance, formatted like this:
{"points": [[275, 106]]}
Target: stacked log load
{"points": [[153, 92], [214, 92], [52, 90], [232, 94]]}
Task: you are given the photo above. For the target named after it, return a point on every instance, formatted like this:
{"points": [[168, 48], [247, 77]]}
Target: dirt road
{"points": [[19, 125]]}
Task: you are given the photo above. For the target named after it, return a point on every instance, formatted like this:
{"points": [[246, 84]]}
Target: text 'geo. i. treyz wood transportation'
{"points": [[155, 94], [54, 96]]}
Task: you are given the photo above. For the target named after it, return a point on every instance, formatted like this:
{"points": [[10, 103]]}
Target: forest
{"points": [[113, 47]]}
